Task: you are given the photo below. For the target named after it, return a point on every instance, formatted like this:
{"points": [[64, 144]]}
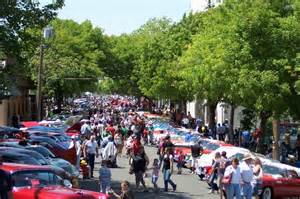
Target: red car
{"points": [[279, 183], [41, 182], [207, 144]]}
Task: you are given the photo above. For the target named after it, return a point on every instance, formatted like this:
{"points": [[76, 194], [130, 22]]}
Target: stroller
{"points": [[112, 162]]}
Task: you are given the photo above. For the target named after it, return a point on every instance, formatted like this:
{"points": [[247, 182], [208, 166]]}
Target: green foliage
{"points": [[73, 58], [242, 54]]}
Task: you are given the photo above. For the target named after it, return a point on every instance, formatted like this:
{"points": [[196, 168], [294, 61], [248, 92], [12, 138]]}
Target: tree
{"points": [[73, 59], [16, 18]]}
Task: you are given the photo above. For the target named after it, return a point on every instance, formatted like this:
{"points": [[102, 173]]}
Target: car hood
{"points": [[65, 165], [59, 192]]}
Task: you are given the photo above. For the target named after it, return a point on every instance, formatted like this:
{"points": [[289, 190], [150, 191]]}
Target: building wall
{"points": [[3, 112], [18, 105], [198, 109]]}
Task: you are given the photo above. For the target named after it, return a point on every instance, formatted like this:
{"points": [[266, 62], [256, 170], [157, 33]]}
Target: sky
{"points": [[122, 16]]}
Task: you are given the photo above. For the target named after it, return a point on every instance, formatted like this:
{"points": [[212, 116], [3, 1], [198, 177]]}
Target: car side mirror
{"points": [[67, 183]]}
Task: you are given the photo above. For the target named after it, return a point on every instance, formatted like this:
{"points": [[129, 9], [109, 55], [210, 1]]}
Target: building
{"points": [[203, 5]]}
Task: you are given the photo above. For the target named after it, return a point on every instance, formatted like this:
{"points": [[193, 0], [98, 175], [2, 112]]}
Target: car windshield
{"points": [[35, 178], [42, 150], [211, 146], [20, 159], [273, 170], [239, 156], [37, 156]]}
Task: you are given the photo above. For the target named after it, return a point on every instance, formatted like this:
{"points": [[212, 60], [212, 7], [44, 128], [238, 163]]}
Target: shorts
{"points": [[180, 164], [257, 189], [154, 179]]}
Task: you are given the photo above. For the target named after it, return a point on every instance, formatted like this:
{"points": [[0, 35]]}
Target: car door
{"points": [[294, 183]]}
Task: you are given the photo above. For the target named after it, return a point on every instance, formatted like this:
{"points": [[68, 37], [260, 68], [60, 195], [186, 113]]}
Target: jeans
{"points": [[212, 184], [247, 190], [167, 179], [91, 159], [233, 190], [105, 185]]}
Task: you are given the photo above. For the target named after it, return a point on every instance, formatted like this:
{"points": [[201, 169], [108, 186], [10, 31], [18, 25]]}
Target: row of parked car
{"points": [[279, 180], [42, 162]]}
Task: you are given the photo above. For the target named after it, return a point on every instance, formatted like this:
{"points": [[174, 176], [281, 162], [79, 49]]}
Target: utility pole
{"points": [[39, 98], [47, 33], [276, 136]]}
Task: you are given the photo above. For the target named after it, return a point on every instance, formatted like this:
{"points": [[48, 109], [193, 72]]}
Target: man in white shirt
{"points": [[247, 176], [90, 150], [86, 129]]}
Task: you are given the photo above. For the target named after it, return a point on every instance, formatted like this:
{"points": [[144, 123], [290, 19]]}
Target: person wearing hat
{"points": [[247, 176]]}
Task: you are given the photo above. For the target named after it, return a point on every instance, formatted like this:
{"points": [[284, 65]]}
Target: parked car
{"points": [[11, 133], [43, 183], [279, 182], [68, 167], [64, 167], [68, 154]]}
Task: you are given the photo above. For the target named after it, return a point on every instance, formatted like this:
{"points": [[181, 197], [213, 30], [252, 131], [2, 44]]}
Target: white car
{"points": [[206, 159]]}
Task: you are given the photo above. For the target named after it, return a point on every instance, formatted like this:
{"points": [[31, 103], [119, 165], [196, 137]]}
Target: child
{"points": [[104, 177], [180, 162], [126, 192], [155, 173]]}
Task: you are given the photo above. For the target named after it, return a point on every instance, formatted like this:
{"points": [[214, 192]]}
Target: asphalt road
{"points": [[188, 185]]}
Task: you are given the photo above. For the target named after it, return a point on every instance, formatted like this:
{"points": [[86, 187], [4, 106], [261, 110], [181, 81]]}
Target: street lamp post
{"points": [[47, 33]]}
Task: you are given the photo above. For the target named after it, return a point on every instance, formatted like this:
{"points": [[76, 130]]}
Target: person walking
{"points": [[109, 152], [214, 173], [168, 169], [247, 176], [155, 174], [196, 151], [104, 177], [78, 151], [139, 163], [233, 178], [119, 143], [257, 180], [5, 183], [90, 152]]}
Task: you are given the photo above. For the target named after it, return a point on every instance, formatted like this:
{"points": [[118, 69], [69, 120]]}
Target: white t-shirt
{"points": [[236, 174], [91, 147]]}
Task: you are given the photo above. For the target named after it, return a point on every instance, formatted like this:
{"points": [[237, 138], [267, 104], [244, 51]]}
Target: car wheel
{"points": [[267, 193]]}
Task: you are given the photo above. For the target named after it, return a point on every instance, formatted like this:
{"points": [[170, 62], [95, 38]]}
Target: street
{"points": [[188, 186]]}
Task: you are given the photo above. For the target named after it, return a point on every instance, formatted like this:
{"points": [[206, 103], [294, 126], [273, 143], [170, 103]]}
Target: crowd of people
{"points": [[113, 129], [110, 132]]}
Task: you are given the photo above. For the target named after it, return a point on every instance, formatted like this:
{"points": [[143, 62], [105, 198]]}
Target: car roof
{"points": [[13, 167]]}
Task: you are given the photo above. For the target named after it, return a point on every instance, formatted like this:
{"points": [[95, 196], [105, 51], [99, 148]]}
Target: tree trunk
{"points": [[276, 136], [231, 123], [264, 116], [59, 100], [212, 115]]}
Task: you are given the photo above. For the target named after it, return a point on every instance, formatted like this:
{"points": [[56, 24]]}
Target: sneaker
{"points": [[174, 188]]}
